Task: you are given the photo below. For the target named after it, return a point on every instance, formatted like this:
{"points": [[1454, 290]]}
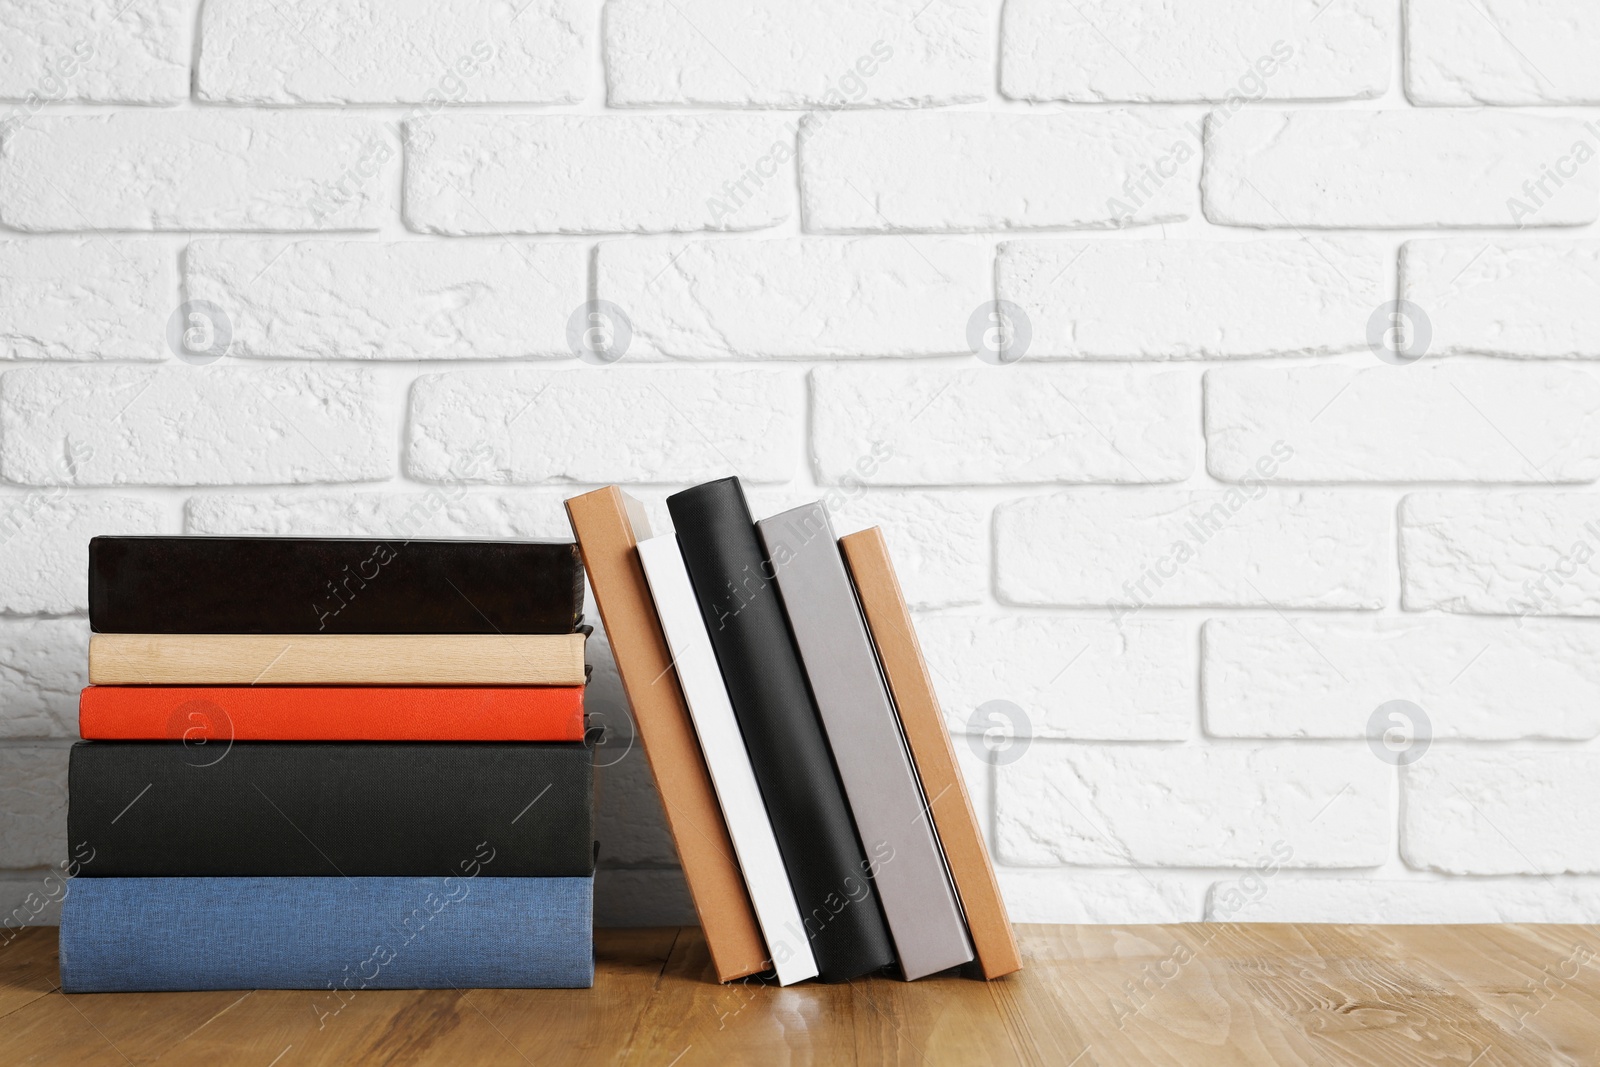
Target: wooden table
{"points": [[1384, 996]]}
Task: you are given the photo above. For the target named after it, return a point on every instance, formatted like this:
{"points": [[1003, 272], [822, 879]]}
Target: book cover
{"points": [[864, 734], [335, 936], [290, 808], [608, 525], [889, 622], [352, 585], [336, 659], [200, 715], [827, 868], [726, 758]]}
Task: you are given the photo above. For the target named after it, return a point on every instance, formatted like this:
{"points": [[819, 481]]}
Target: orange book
{"points": [[197, 714]]}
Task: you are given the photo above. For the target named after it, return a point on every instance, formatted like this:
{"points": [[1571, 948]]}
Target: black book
{"points": [[335, 585], [827, 867], [302, 809]]}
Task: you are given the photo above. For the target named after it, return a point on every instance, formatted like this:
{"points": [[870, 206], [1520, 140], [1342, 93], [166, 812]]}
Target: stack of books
{"points": [[805, 767], [332, 764]]}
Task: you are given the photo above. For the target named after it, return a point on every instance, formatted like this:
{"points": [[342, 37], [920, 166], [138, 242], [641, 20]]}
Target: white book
{"points": [[723, 746]]}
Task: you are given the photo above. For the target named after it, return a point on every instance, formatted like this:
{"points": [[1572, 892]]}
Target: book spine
{"points": [[608, 524], [864, 733], [767, 686], [889, 622], [729, 763], [286, 809], [292, 585], [219, 714], [334, 936], [336, 659]]}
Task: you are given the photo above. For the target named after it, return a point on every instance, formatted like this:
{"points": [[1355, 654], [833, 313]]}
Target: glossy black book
{"points": [[300, 809], [336, 585], [828, 870]]}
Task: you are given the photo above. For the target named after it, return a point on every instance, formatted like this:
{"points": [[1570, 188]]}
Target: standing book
{"points": [[726, 758], [608, 524], [828, 869], [889, 621], [864, 733]]}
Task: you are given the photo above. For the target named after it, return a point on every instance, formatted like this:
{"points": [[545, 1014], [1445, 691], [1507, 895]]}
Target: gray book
{"points": [[863, 730]]}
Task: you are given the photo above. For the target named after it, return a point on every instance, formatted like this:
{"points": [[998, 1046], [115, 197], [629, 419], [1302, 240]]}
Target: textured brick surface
{"points": [[400, 51], [1228, 50], [197, 170], [408, 300], [477, 174], [1164, 605], [996, 172], [1397, 169]]}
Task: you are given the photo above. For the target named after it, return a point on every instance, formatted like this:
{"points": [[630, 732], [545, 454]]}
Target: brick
{"points": [[85, 298], [768, 53], [442, 511], [1434, 422], [1494, 298], [930, 426], [498, 174], [1391, 169], [402, 51], [1490, 680], [796, 298], [1502, 52], [1083, 679], [197, 170], [1115, 299], [1246, 547], [1132, 806], [939, 541], [1501, 812], [601, 424], [188, 425], [397, 300], [996, 171], [86, 51], [33, 820], [1412, 902], [43, 665], [1210, 50], [1118, 898], [1515, 554], [44, 545]]}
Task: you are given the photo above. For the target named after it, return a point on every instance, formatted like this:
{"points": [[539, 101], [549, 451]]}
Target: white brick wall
{"points": [[325, 267]]}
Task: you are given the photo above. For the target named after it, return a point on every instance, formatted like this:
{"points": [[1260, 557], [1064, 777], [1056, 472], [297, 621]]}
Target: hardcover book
{"points": [[198, 715], [154, 809], [350, 585], [608, 524], [729, 763], [830, 874], [338, 936], [864, 733], [336, 659], [889, 621]]}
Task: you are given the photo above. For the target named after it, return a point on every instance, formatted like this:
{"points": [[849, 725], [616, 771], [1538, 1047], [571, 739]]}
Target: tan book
{"points": [[889, 620], [609, 525], [336, 659]]}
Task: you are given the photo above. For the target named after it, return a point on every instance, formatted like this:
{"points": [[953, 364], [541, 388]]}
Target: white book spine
{"points": [[723, 746]]}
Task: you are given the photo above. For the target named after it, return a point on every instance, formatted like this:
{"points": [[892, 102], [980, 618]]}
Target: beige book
{"points": [[336, 659]]}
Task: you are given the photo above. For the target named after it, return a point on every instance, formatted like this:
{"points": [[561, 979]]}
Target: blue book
{"points": [[337, 935]]}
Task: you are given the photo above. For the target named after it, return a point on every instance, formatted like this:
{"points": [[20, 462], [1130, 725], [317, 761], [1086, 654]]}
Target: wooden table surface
{"points": [[1192, 995]]}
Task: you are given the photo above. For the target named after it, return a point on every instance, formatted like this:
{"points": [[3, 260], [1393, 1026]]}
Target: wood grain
{"points": [[1090, 996], [336, 659]]}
